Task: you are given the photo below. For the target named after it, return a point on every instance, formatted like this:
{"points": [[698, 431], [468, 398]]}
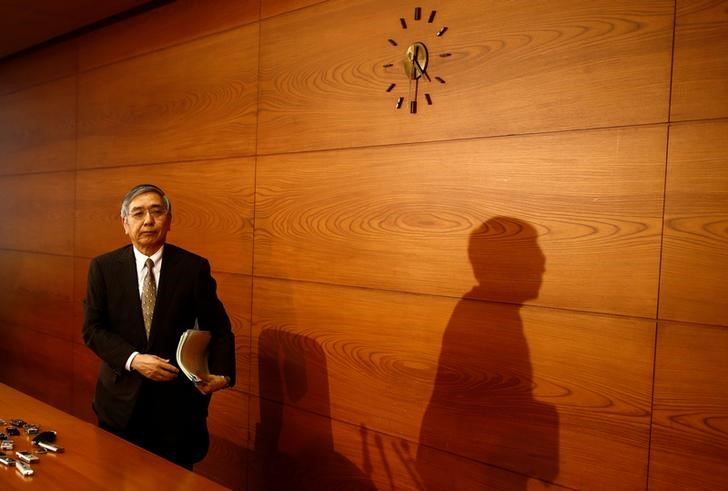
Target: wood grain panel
{"points": [[36, 292], [235, 293], [80, 282], [539, 392], [227, 460], [403, 218], [50, 63], [25, 24], [212, 205], [396, 463], [38, 128], [295, 449], [690, 425], [700, 67], [270, 8], [514, 67], [85, 372], [192, 101], [37, 364], [162, 27], [94, 459], [694, 260], [362, 459], [37, 212]]}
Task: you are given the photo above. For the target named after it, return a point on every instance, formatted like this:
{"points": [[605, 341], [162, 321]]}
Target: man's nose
{"points": [[148, 218]]}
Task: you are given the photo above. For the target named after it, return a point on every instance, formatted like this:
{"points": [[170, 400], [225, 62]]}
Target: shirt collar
{"points": [[141, 259]]}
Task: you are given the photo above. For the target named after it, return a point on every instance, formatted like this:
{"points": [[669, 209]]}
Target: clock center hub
{"points": [[415, 61]]}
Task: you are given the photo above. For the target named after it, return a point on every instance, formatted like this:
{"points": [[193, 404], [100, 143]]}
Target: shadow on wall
{"points": [[294, 442], [483, 429]]}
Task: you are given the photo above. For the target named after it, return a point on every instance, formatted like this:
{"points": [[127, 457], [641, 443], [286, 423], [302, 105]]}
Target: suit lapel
{"points": [[167, 279], [129, 284]]}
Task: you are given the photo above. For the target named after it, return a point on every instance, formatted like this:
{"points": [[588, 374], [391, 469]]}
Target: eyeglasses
{"points": [[156, 212]]}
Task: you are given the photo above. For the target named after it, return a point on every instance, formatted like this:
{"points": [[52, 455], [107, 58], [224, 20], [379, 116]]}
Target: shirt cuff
{"points": [[128, 362]]}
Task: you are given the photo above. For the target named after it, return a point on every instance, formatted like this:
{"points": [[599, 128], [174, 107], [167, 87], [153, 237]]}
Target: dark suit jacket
{"points": [[114, 328]]}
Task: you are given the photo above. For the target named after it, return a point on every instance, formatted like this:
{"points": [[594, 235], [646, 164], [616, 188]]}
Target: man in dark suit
{"points": [[140, 299]]}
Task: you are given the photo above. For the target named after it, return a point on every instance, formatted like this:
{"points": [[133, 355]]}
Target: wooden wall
{"points": [[521, 286]]}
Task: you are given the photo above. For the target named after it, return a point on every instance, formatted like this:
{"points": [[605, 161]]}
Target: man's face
{"points": [[147, 223]]}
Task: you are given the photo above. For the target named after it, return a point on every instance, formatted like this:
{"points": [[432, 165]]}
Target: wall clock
{"points": [[415, 58]]}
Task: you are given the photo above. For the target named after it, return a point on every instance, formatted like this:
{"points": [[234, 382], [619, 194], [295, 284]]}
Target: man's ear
{"points": [[125, 225]]}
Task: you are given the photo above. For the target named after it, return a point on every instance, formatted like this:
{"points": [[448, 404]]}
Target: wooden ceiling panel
{"points": [[26, 23]]}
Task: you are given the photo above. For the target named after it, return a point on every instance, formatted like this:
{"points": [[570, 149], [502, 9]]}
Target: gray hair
{"points": [[141, 189]]}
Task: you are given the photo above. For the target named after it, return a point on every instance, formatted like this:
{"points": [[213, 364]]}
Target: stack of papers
{"points": [[192, 352]]}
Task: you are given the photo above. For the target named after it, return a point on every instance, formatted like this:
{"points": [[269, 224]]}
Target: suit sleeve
{"points": [[98, 334], [211, 316]]}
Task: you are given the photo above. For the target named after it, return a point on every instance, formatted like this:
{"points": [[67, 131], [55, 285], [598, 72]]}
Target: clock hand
{"points": [[415, 64], [422, 70]]}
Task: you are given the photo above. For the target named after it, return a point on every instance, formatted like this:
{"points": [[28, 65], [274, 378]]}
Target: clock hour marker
{"points": [[415, 64]]}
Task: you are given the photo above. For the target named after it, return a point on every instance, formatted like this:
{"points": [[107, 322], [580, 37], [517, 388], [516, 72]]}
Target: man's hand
{"points": [[212, 383], [154, 368]]}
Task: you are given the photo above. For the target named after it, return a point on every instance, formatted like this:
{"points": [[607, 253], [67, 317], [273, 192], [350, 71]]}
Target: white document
{"points": [[192, 352]]}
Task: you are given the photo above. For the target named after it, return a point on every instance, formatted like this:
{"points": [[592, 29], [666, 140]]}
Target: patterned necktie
{"points": [[149, 296]]}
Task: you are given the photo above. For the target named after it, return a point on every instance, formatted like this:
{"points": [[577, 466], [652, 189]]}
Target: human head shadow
{"points": [[294, 440], [483, 424]]}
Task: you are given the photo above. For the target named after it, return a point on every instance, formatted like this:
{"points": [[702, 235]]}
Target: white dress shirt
{"points": [[142, 272]]}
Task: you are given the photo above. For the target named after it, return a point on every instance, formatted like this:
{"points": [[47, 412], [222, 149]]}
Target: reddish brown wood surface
{"points": [[546, 178], [92, 458], [171, 24], [85, 373], [537, 391], [54, 62], [272, 8], [38, 212], [212, 207], [166, 111], [690, 434], [36, 292], [38, 364], [401, 218], [694, 277], [39, 128], [229, 458], [515, 67], [700, 72], [28, 24]]}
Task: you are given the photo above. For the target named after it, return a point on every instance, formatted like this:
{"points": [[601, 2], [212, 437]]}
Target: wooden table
{"points": [[93, 459]]}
